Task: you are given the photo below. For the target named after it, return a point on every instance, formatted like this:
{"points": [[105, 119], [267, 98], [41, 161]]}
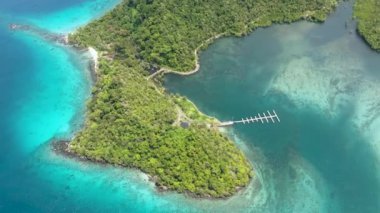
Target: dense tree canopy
{"points": [[166, 32], [132, 122]]}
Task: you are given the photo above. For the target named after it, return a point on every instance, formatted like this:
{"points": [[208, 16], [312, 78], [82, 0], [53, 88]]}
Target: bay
{"points": [[321, 78], [323, 81]]}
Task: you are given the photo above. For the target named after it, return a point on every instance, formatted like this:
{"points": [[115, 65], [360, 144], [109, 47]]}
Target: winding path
{"points": [[197, 65]]}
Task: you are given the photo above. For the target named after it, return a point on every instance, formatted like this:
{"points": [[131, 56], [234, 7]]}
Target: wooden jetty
{"points": [[265, 118]]}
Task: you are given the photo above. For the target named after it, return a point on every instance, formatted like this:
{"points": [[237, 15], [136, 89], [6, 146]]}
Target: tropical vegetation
{"points": [[367, 12], [133, 122]]}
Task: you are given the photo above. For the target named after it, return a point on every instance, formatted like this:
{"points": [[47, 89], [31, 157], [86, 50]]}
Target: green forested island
{"points": [[132, 122], [368, 14]]}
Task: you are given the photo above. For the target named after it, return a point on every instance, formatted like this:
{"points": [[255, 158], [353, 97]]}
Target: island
{"points": [[132, 122]]}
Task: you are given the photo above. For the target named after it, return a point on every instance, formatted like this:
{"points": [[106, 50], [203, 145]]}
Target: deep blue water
{"points": [[322, 79]]}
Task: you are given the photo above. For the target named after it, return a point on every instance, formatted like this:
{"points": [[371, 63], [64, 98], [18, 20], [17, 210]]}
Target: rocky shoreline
{"points": [[62, 148], [61, 39], [58, 38]]}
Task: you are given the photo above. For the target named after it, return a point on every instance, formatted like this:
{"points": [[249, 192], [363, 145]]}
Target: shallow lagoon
{"points": [[322, 79]]}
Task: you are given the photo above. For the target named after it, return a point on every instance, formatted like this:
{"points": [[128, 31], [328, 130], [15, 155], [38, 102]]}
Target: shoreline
{"points": [[65, 148], [197, 63], [54, 37], [93, 63], [61, 39], [94, 57], [62, 148]]}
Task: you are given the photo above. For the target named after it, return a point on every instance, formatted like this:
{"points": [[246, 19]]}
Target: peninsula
{"points": [[131, 120]]}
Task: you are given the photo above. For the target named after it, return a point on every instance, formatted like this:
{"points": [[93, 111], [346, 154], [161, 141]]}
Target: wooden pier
{"points": [[270, 117]]}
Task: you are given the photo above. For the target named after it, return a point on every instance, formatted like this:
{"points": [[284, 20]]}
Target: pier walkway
{"points": [[265, 118]]}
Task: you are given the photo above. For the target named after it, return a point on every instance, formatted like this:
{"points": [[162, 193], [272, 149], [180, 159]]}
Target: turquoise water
{"points": [[53, 15], [324, 82], [322, 79]]}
